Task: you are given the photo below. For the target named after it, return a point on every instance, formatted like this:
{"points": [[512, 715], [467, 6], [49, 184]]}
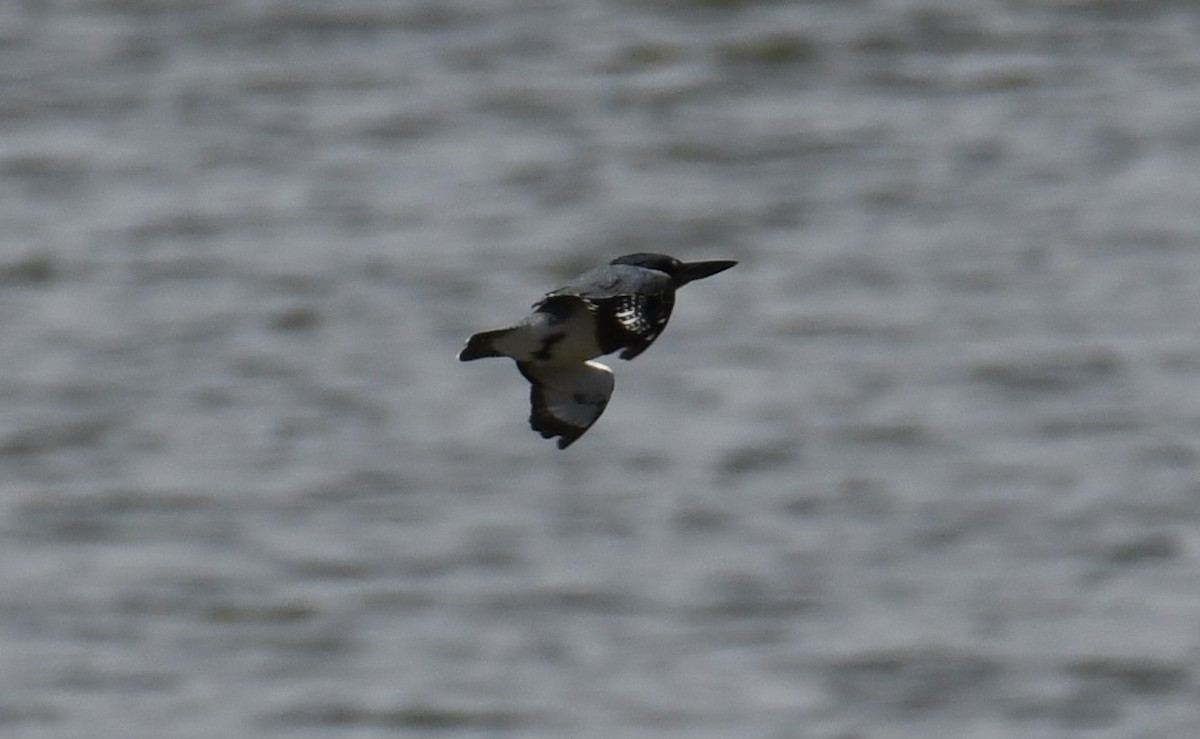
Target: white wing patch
{"points": [[642, 318], [633, 312], [567, 399]]}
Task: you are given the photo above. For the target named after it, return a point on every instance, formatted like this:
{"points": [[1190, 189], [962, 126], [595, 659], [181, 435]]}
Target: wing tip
{"points": [[549, 426]]}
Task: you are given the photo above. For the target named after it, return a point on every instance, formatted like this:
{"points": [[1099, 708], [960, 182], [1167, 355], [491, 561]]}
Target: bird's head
{"points": [[681, 272]]}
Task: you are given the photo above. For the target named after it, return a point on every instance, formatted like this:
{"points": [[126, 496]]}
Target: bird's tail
{"points": [[481, 345]]}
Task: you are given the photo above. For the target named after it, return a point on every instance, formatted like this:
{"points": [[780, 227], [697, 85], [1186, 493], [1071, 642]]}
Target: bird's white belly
{"points": [[543, 339]]}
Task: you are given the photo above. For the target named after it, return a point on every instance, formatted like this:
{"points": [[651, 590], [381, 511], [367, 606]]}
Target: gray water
{"points": [[926, 463]]}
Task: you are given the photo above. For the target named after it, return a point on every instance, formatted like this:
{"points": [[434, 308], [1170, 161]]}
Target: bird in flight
{"points": [[623, 305]]}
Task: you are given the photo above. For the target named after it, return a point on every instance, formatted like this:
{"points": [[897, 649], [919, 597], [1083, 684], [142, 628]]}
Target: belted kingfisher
{"points": [[622, 305]]}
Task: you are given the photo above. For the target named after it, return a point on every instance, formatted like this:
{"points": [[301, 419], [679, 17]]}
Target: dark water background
{"points": [[927, 463]]}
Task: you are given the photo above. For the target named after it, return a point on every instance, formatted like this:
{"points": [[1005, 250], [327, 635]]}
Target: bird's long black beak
{"points": [[690, 271]]}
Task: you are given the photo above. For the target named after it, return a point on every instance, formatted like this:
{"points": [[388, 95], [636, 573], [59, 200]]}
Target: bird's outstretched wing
{"points": [[641, 319], [567, 399]]}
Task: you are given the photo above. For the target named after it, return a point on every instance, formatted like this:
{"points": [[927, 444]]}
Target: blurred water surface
{"points": [[925, 464]]}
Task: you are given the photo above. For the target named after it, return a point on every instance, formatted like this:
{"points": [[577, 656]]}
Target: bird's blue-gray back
{"points": [[615, 280]]}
